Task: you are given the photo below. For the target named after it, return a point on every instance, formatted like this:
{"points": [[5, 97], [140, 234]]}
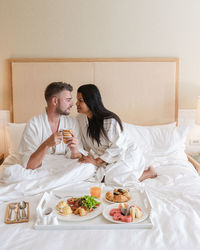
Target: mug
{"points": [[66, 135]]}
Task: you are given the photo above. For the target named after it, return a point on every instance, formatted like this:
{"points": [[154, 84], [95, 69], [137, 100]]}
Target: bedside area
{"points": [[194, 158]]}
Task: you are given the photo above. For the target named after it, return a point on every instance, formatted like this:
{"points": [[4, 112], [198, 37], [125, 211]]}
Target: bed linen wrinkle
{"points": [[174, 196], [175, 216], [20, 182]]}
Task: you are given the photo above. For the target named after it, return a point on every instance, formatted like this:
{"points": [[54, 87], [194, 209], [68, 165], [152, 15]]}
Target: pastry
{"points": [[61, 204], [133, 212], [120, 198], [127, 194], [118, 195], [64, 208], [109, 196], [138, 212]]}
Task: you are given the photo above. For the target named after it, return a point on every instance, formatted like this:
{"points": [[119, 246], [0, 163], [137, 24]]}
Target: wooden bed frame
{"points": [[143, 91]]}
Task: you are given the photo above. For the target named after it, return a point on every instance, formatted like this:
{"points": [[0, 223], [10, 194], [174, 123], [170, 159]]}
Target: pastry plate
{"points": [[106, 214], [77, 218], [114, 202]]}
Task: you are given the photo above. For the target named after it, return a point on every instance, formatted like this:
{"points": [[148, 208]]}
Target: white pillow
{"points": [[14, 133], [159, 141]]}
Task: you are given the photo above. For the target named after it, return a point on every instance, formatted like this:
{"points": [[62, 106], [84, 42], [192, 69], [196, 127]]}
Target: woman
{"points": [[103, 137]]}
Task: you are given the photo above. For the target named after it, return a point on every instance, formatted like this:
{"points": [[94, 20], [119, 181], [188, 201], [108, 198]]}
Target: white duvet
{"points": [[174, 195], [16, 181], [175, 200]]}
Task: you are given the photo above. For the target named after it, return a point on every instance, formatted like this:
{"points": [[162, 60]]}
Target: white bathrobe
{"points": [[124, 161], [56, 169], [38, 130]]}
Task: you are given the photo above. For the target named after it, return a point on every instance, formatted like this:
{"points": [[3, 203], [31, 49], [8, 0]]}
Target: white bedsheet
{"points": [[16, 181], [175, 199]]}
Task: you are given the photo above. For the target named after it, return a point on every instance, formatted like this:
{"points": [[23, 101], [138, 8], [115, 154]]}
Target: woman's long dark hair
{"points": [[92, 98]]}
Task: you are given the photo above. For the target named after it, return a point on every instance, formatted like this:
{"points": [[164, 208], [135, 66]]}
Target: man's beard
{"points": [[61, 112]]}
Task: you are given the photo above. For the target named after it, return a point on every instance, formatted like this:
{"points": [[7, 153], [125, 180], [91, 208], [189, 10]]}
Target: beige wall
{"points": [[103, 28]]}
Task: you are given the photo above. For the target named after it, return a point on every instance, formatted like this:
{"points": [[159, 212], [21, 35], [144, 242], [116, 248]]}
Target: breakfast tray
{"points": [[99, 222]]}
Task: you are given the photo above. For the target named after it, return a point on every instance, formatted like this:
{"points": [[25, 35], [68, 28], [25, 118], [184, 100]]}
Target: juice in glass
{"points": [[95, 191]]}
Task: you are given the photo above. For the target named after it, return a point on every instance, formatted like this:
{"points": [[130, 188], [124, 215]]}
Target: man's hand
{"points": [[54, 139], [36, 158]]}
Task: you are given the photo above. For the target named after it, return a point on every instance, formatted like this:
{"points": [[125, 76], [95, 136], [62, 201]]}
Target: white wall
{"points": [[103, 28]]}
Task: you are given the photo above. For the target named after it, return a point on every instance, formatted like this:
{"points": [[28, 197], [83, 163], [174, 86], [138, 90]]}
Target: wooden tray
{"points": [[10, 217]]}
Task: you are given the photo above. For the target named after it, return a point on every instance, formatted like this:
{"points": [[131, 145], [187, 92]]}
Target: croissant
{"points": [[127, 194], [120, 198], [109, 196]]}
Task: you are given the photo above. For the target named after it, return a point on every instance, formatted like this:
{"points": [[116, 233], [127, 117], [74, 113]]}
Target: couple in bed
{"points": [[97, 136]]}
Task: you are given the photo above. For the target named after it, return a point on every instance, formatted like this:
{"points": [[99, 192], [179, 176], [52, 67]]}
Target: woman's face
{"points": [[82, 107]]}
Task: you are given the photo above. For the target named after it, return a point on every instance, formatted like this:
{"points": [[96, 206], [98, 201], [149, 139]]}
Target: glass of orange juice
{"points": [[95, 191]]}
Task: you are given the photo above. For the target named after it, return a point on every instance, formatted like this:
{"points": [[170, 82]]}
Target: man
{"points": [[42, 136]]}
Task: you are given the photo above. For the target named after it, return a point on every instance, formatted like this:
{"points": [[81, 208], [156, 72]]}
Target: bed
{"points": [[150, 87]]}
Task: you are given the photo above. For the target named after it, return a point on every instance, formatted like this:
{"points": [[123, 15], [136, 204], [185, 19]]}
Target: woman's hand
{"points": [[72, 143], [89, 159]]}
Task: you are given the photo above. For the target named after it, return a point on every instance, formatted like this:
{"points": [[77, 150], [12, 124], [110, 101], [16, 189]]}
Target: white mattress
{"points": [[175, 200]]}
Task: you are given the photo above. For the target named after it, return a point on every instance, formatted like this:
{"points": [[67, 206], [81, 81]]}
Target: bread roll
{"points": [[138, 212], [133, 212], [66, 210]]}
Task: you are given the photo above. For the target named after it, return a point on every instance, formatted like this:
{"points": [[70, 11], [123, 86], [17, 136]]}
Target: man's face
{"points": [[65, 103]]}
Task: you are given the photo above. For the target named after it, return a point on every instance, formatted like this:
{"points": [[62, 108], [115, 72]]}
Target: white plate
{"points": [[106, 214], [77, 218]]}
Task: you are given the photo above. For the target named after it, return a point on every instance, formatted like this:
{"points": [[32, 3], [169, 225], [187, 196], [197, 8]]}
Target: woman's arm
{"points": [[117, 142], [89, 159]]}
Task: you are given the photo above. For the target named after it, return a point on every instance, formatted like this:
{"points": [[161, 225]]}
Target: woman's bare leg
{"points": [[149, 173]]}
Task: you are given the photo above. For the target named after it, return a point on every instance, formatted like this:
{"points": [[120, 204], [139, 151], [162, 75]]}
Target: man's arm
{"points": [[36, 158]]}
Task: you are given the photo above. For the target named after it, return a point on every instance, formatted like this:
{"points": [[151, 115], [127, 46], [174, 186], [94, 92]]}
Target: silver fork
{"points": [[17, 215]]}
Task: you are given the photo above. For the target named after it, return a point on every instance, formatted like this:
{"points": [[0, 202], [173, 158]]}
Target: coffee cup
{"points": [[66, 135]]}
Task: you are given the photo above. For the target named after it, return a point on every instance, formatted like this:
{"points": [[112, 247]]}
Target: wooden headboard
{"points": [[142, 91]]}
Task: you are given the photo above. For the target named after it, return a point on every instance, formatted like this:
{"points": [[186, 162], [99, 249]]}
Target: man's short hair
{"points": [[55, 88]]}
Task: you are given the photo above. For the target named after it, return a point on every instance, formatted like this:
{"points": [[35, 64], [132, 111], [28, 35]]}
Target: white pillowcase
{"points": [[159, 141], [14, 133], [155, 141]]}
